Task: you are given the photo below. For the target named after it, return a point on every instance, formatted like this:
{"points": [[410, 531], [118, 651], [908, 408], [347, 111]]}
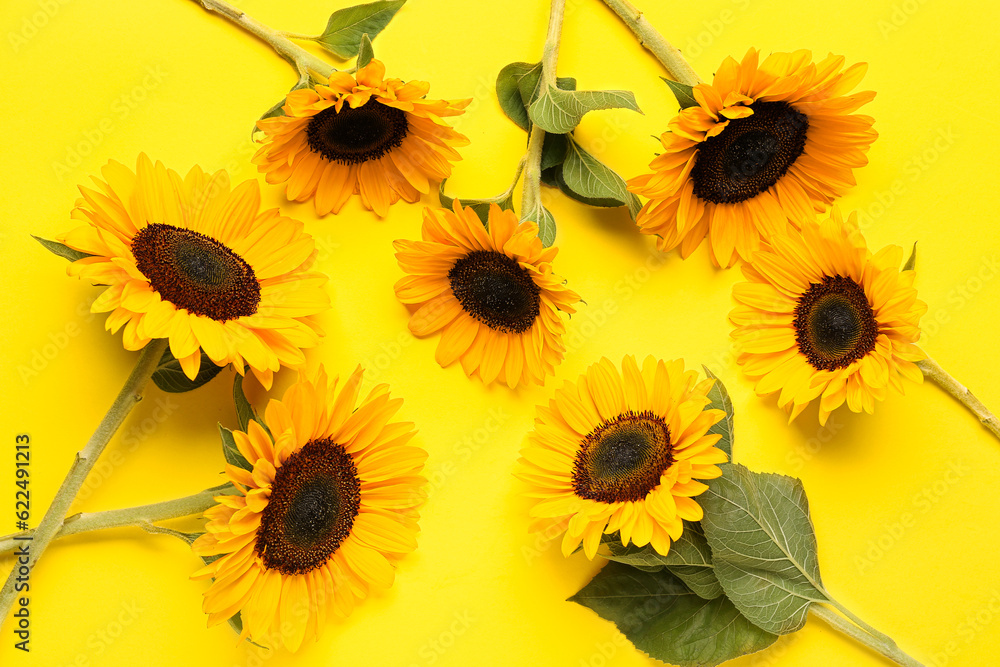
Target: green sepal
{"points": [[61, 249], [683, 92], [170, 377], [912, 261], [231, 452], [721, 401], [480, 206]]}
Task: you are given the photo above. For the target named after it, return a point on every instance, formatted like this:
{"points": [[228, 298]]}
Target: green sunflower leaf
{"points": [[365, 51], [559, 111], [554, 150], [587, 179], [346, 28], [231, 452], [683, 92], [509, 94], [170, 377], [721, 401], [763, 546], [689, 559], [664, 619], [912, 261], [517, 88], [61, 249], [480, 206]]}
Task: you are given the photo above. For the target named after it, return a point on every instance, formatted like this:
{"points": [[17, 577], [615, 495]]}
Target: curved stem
{"points": [[55, 516], [886, 646], [293, 53], [531, 196], [934, 371], [669, 56], [142, 516]]}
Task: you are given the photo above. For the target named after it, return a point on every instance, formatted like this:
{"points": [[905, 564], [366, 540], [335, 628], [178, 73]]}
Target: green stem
{"points": [[933, 370], [55, 516], [293, 53], [669, 56], [300, 36], [142, 516], [531, 196], [879, 642]]}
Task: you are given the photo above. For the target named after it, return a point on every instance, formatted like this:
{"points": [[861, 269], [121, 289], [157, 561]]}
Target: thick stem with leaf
{"points": [[668, 55], [531, 195], [933, 370], [302, 60], [55, 516], [142, 516]]}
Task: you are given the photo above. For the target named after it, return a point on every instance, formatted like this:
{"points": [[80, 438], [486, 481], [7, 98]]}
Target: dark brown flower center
{"points": [[314, 500], [834, 324], [750, 154], [357, 135], [495, 290], [623, 459], [196, 272]]}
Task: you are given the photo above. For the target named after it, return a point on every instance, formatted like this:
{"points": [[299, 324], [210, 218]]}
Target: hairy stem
{"points": [[142, 516], [293, 53], [880, 643], [531, 195], [934, 371], [55, 516], [669, 56]]}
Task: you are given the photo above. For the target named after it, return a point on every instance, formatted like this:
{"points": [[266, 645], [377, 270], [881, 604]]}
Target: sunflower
{"points": [[191, 260], [820, 316], [623, 452], [328, 507], [385, 143], [491, 292], [766, 146]]}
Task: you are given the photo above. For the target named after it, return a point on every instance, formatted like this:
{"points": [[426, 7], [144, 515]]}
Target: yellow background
{"points": [[905, 502]]}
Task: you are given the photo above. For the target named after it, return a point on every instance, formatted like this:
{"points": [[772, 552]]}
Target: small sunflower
{"points": [[361, 134], [328, 507], [492, 292], [766, 145], [192, 260], [821, 317], [623, 452]]}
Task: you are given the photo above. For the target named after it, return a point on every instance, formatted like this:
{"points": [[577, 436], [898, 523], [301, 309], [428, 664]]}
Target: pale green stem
{"points": [[668, 55], [934, 371], [295, 54], [142, 516], [299, 35], [879, 643], [531, 196], [55, 516]]}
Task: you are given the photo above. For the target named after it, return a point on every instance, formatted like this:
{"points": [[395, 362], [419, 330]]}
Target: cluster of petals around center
{"points": [[663, 390]]}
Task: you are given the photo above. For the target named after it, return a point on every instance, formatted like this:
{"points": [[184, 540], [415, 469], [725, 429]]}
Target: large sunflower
{"points": [[328, 507], [360, 134], [822, 317], [492, 292], [766, 145], [623, 452], [191, 260]]}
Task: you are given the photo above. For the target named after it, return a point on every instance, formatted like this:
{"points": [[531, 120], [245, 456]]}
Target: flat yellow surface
{"points": [[905, 502]]}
